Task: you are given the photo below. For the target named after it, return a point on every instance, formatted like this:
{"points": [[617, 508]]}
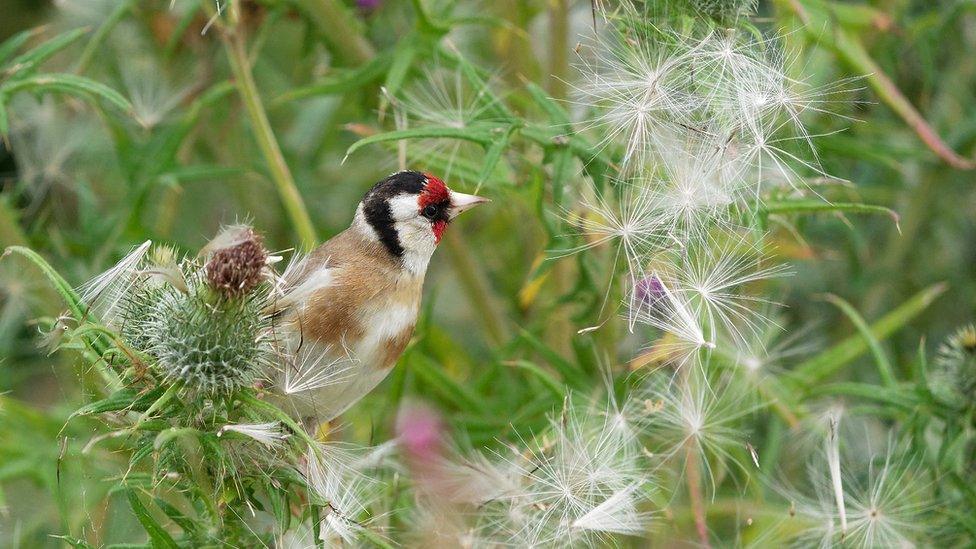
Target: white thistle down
{"points": [[270, 434], [445, 98], [310, 368], [765, 352], [693, 413], [641, 93], [833, 464], [617, 514], [886, 509], [334, 475], [152, 95], [105, 292], [53, 147], [625, 216], [580, 482], [870, 500], [657, 302], [714, 277]]}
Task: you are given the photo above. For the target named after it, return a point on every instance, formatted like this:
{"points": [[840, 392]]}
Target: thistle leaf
{"points": [[68, 83], [158, 536]]}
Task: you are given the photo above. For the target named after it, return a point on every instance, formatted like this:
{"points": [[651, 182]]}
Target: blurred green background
{"points": [[82, 184]]}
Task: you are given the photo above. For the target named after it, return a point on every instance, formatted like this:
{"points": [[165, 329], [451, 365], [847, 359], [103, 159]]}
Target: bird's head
{"points": [[409, 211]]}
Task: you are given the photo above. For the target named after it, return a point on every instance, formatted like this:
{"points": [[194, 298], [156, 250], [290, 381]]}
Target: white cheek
{"points": [[404, 207], [417, 238]]}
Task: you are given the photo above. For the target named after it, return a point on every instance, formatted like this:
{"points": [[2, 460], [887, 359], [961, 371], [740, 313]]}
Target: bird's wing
{"points": [[304, 274]]}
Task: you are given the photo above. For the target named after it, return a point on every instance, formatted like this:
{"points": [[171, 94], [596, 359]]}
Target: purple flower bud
{"points": [[368, 5], [649, 291]]}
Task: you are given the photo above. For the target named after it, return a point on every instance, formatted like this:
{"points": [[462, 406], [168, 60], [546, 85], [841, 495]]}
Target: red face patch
{"points": [[439, 227], [434, 193]]}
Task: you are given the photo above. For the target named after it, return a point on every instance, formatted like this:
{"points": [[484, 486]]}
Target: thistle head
{"points": [[210, 343]]}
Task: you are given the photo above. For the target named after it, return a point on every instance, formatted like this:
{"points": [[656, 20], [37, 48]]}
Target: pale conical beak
{"points": [[461, 202]]}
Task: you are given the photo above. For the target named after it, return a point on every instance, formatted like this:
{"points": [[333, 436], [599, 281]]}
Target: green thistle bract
{"points": [[210, 342], [724, 10], [954, 378]]}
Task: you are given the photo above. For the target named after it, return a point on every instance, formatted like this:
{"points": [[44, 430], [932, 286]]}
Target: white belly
{"points": [[323, 381]]}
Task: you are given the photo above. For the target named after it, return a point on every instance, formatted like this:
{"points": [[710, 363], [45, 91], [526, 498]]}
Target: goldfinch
{"points": [[347, 310]]}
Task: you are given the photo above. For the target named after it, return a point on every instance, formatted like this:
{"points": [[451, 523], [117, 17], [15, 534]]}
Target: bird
{"points": [[345, 312]]}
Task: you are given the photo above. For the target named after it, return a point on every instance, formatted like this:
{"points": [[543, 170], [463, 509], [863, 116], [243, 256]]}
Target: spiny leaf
{"points": [[68, 83], [482, 136], [176, 516], [403, 59], [67, 293], [551, 384], [123, 399], [571, 375], [14, 43], [880, 359], [833, 359], [494, 154], [341, 82], [557, 114], [902, 399], [158, 536], [808, 206], [43, 52]]}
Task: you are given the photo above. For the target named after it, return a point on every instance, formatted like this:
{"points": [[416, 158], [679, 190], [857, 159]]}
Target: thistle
{"points": [[954, 375], [209, 342], [202, 324]]}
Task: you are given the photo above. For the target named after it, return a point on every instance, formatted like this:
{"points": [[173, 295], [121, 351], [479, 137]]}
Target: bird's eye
{"points": [[429, 211]]}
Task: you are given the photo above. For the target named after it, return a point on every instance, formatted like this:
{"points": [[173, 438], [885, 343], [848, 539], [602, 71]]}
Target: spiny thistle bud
{"points": [[237, 261], [955, 377], [723, 10], [202, 320], [210, 342]]}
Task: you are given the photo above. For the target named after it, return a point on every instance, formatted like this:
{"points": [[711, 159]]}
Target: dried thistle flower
{"points": [[237, 260]]}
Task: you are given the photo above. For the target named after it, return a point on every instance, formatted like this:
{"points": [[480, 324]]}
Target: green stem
{"points": [[814, 370], [558, 47], [342, 31], [693, 476], [475, 288], [280, 174], [101, 34]]}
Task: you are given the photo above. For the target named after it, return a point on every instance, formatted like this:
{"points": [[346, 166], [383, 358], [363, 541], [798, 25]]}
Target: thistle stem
{"points": [[563, 271], [558, 47], [280, 174], [693, 476], [693, 473], [339, 29], [474, 287]]}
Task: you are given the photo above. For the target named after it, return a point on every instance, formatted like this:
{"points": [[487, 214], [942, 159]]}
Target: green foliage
{"points": [[123, 121]]}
